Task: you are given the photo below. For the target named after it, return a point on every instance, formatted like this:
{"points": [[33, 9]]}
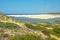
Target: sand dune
{"points": [[40, 16]]}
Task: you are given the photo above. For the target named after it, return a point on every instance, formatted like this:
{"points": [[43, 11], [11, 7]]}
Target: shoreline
{"points": [[40, 16]]}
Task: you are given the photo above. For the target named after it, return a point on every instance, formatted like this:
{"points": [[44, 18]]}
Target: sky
{"points": [[29, 6]]}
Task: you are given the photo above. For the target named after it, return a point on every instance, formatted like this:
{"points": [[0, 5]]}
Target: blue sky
{"points": [[29, 6]]}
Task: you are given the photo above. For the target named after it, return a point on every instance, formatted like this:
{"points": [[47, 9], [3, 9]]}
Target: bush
{"points": [[24, 37], [38, 27], [8, 25]]}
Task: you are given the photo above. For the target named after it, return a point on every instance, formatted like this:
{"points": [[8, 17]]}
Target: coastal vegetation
{"points": [[17, 30]]}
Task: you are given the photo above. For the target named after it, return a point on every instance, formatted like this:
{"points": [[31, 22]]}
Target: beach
{"points": [[40, 16]]}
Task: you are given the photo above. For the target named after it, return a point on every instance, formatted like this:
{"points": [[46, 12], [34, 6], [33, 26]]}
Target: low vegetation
{"points": [[24, 37], [29, 31], [9, 25]]}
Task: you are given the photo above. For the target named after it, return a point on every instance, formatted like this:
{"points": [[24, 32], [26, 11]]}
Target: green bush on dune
{"points": [[8, 25], [24, 37], [55, 31], [38, 27]]}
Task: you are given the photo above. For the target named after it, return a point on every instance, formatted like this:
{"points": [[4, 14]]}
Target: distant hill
{"points": [[54, 13]]}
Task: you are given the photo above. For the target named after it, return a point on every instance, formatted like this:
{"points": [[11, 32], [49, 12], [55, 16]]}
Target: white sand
{"points": [[40, 16]]}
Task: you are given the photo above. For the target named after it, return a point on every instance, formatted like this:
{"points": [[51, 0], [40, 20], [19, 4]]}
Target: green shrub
{"points": [[8, 25], [24, 37], [38, 27], [55, 31]]}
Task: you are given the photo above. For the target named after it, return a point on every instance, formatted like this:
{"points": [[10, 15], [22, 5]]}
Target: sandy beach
{"points": [[40, 16]]}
